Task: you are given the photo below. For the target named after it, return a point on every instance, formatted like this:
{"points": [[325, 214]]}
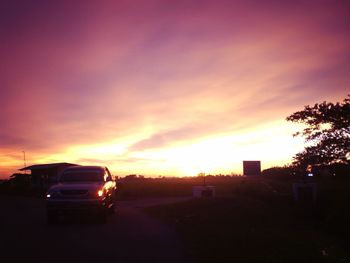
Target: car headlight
{"points": [[51, 195], [97, 193]]}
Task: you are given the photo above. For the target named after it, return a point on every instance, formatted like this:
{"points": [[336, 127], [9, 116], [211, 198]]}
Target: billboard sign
{"points": [[251, 168]]}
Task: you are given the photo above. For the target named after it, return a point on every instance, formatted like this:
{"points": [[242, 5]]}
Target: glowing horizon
{"points": [[161, 88]]}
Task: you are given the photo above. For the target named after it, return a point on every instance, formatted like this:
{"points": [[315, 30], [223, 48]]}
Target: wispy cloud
{"points": [[165, 73]]}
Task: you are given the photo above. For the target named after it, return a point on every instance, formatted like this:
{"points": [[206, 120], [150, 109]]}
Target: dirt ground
{"points": [[129, 235]]}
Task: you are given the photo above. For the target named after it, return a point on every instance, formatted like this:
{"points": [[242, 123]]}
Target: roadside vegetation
{"points": [[326, 133], [257, 220], [140, 187]]}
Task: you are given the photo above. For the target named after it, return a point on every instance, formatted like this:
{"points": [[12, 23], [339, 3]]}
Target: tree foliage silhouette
{"points": [[327, 133]]}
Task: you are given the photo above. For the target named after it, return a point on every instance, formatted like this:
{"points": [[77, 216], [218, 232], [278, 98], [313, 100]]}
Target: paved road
{"points": [[129, 236]]}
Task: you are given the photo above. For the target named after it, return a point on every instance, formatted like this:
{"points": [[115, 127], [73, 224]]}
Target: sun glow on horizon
{"points": [[271, 143], [223, 154]]}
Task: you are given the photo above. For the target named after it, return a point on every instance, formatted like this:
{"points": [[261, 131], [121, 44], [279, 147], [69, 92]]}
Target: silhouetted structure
{"points": [[305, 191], [44, 175], [251, 168], [203, 191]]}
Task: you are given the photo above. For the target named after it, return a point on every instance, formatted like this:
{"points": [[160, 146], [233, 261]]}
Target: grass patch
{"points": [[257, 221], [173, 187]]}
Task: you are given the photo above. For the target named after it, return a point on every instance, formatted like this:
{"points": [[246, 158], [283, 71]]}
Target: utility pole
{"points": [[24, 161]]}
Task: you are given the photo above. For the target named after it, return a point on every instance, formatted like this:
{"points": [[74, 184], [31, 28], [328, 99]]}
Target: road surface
{"points": [[129, 236]]}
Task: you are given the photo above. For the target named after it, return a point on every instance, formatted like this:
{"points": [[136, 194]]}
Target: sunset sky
{"points": [[162, 87]]}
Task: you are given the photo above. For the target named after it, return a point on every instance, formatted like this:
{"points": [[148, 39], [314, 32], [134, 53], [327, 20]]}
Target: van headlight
{"points": [[51, 195], [97, 193]]}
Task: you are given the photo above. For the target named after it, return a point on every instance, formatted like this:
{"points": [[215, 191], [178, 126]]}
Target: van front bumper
{"points": [[75, 206]]}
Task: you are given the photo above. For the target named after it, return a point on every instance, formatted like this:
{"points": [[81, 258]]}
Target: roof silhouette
{"points": [[46, 166]]}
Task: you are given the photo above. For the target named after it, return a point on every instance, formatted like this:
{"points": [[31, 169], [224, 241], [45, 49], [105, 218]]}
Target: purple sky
{"points": [[148, 86]]}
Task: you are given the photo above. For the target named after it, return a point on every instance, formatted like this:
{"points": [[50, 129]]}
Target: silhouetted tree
{"points": [[19, 182], [285, 171], [327, 133]]}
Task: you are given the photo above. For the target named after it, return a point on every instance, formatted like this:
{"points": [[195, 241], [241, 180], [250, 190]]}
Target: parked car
{"points": [[86, 190]]}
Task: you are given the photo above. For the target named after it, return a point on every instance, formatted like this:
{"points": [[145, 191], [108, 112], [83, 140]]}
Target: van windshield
{"points": [[81, 176]]}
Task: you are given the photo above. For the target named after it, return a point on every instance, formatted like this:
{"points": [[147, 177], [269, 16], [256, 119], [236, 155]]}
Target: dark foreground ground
{"points": [[249, 220], [129, 236], [257, 220]]}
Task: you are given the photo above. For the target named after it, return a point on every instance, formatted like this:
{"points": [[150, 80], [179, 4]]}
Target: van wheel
{"points": [[111, 209]]}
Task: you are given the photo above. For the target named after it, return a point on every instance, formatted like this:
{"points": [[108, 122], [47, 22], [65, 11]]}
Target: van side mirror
{"points": [[109, 178]]}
